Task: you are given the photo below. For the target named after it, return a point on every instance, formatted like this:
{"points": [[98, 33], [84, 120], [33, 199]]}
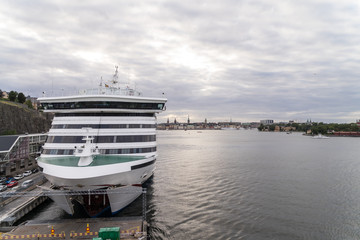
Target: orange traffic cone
{"points": [[87, 228]]}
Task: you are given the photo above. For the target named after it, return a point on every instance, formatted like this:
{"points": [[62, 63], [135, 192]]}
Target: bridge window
{"points": [[102, 104]]}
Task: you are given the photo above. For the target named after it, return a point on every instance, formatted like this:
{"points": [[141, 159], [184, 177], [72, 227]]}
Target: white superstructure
{"points": [[103, 138]]}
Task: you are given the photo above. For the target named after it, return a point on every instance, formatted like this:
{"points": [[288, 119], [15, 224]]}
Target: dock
{"points": [[17, 205], [85, 228]]}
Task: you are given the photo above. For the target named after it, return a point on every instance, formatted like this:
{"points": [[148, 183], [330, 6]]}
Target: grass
{"points": [[19, 105]]}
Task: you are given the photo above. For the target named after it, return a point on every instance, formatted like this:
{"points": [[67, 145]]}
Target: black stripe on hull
{"points": [[142, 165]]}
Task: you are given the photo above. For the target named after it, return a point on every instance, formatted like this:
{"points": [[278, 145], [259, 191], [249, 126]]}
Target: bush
{"points": [[29, 104], [13, 96], [21, 98]]}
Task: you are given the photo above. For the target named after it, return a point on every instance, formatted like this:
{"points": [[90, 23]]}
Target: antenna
{"points": [[115, 77]]}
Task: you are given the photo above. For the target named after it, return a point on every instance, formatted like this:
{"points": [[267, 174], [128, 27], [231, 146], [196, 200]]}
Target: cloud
{"points": [[247, 60]]}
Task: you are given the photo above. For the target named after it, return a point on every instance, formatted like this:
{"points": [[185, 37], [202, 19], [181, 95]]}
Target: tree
{"points": [[1, 93], [13, 96], [29, 104], [21, 98]]}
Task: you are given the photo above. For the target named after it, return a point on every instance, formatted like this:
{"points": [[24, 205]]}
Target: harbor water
{"points": [[245, 184]]}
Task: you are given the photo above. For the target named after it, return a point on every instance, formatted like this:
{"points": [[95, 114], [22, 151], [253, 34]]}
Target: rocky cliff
{"points": [[17, 118]]}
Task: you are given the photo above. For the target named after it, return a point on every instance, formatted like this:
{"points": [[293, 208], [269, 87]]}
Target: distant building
{"points": [[288, 129], [251, 125], [199, 125], [18, 152], [267, 122], [35, 103], [5, 95], [190, 127]]}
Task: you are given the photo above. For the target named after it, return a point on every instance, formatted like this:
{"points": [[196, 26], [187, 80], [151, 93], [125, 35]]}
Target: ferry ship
{"points": [[101, 146]]}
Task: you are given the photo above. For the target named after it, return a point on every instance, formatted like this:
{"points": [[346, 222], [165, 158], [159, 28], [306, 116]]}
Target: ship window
{"points": [[124, 151], [96, 126], [137, 138], [104, 139], [68, 152], [65, 139], [113, 151], [148, 126], [102, 114], [103, 104]]}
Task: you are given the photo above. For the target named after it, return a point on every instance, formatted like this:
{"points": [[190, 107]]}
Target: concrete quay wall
{"points": [[21, 210]]}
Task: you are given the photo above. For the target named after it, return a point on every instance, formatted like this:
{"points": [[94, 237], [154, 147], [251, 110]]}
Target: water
{"points": [[250, 185]]}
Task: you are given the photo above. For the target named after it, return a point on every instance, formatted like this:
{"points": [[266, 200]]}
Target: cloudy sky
{"points": [[244, 60]]}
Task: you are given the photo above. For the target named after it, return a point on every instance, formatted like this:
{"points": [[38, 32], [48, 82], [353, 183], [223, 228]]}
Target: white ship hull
{"points": [[95, 177]]}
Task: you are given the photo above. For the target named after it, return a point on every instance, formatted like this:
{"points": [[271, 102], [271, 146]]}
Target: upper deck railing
{"points": [[106, 91], [95, 91]]}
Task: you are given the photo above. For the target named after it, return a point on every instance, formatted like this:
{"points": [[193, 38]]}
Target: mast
{"points": [[115, 77]]}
